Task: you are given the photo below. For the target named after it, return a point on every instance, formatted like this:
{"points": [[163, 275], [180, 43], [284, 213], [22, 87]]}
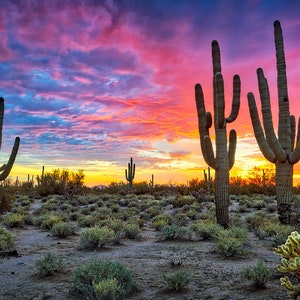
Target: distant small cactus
{"points": [[129, 173]]}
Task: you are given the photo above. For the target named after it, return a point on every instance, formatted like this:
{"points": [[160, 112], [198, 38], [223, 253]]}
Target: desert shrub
{"points": [[96, 237], [28, 219], [258, 204], [160, 221], [175, 232], [102, 213], [86, 221], [206, 230], [255, 221], [177, 281], [281, 235], [13, 220], [131, 231], [115, 224], [271, 207], [258, 275], [7, 240], [61, 182], [181, 201], [243, 208], [235, 220], [181, 219], [107, 289], [152, 211], [49, 221], [103, 279], [210, 213], [6, 199], [49, 264], [231, 242], [272, 228], [63, 229]]}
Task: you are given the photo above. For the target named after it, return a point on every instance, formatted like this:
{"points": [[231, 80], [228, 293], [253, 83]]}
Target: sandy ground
{"points": [[213, 277]]}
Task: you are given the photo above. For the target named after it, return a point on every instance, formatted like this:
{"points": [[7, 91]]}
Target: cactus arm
{"points": [[267, 118], [281, 65], [208, 120], [220, 102], [258, 131], [204, 118], [209, 156], [284, 128], [133, 171], [1, 118], [235, 99], [294, 156], [216, 57], [204, 123], [5, 172], [293, 131], [231, 148]]}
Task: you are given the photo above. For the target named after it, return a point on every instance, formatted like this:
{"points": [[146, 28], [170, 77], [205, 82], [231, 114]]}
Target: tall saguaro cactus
{"points": [[223, 160], [130, 172], [279, 150], [6, 168]]}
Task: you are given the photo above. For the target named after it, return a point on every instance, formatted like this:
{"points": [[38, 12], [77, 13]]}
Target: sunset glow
{"points": [[89, 84]]}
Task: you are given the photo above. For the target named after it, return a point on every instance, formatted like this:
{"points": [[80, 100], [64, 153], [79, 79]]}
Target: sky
{"points": [[89, 84]]}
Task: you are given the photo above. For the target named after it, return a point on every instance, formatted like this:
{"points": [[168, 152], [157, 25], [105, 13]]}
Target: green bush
{"points": [[86, 221], [131, 231], [63, 229], [177, 281], [175, 232], [181, 201], [160, 221], [13, 220], [281, 235], [232, 242], [61, 182], [96, 237], [107, 289], [6, 199], [49, 221], [7, 240], [258, 275], [206, 230], [272, 228], [49, 264], [103, 279]]}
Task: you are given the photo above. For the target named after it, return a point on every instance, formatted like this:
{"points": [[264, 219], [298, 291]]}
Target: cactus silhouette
{"points": [[208, 179], [130, 172], [223, 160], [279, 150], [6, 168]]}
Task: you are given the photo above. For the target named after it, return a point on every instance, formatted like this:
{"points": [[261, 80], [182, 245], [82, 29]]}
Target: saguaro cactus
{"points": [[279, 150], [6, 168], [223, 160], [130, 172], [208, 179]]}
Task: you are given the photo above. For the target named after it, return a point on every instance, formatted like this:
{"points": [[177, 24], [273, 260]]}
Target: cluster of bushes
{"points": [[61, 182]]}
